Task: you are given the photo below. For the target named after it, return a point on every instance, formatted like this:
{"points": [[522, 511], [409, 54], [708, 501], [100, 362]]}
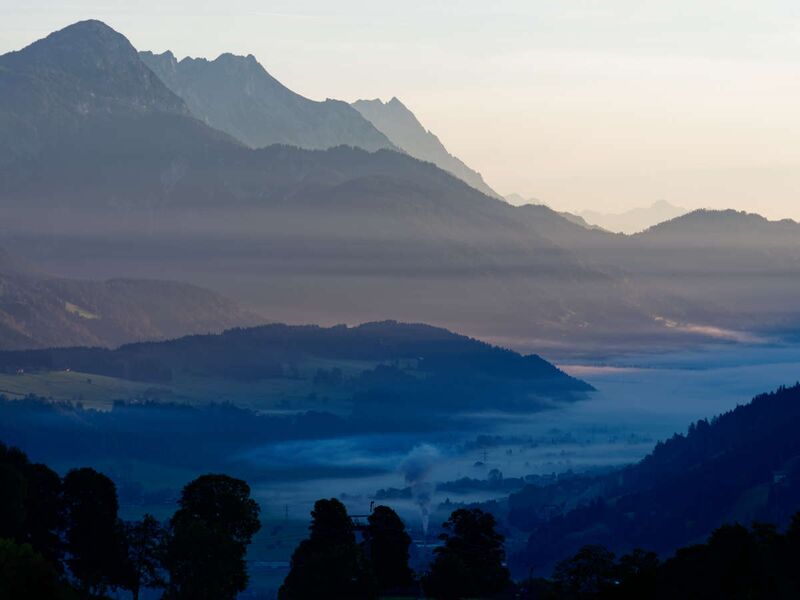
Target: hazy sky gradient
{"points": [[584, 104]]}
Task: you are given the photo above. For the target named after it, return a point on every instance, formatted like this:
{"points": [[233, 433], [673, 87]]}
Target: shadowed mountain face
{"points": [[403, 129], [38, 310], [236, 95], [133, 185], [49, 90]]}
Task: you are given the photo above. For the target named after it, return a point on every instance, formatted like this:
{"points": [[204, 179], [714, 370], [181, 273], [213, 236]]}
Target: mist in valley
{"points": [[640, 400]]}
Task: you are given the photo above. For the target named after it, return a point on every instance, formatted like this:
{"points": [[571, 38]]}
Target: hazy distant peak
{"points": [[244, 60], [725, 217], [393, 107], [236, 94], [636, 219], [402, 127], [663, 204], [520, 200]]}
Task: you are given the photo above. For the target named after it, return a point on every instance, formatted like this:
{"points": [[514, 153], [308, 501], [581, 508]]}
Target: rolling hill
{"points": [[383, 368]]}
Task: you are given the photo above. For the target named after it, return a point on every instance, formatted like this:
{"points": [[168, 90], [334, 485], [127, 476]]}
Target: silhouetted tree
{"points": [[792, 554], [31, 507], [727, 566], [588, 574], [26, 575], [471, 563], [637, 575], [94, 536], [386, 546], [144, 545], [12, 502], [208, 541], [329, 563], [44, 513]]}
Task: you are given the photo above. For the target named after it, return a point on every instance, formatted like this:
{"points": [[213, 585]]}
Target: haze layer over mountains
{"points": [[109, 169], [39, 310]]}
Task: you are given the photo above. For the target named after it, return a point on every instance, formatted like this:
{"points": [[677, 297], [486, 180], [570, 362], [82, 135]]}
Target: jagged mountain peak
{"points": [[237, 95], [404, 129], [83, 67], [90, 49]]}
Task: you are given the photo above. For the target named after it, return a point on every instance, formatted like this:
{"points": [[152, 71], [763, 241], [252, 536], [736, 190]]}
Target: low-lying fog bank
{"points": [[639, 400]]}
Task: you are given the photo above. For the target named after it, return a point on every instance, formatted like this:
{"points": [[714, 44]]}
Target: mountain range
{"points": [[113, 174], [235, 94]]}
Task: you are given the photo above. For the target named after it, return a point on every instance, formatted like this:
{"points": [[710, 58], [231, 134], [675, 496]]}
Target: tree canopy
{"points": [[471, 561], [209, 534]]}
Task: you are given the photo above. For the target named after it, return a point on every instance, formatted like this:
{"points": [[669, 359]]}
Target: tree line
{"points": [[735, 563], [332, 563], [62, 538]]}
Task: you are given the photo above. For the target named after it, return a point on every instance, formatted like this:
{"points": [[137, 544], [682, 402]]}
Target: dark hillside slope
{"points": [[388, 367], [741, 466], [38, 310]]}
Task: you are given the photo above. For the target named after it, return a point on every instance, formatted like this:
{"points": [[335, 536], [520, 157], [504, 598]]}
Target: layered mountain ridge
{"points": [[340, 235]]}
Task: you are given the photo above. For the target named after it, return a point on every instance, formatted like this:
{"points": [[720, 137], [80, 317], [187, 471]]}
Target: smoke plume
{"points": [[416, 468]]}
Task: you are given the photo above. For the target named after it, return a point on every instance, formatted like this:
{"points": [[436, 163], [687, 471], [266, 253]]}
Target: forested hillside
{"points": [[741, 466]]}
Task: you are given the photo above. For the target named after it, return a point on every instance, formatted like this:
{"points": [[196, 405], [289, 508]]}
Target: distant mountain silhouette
{"points": [[403, 128], [634, 220], [235, 94], [516, 199], [720, 223], [742, 262], [38, 310], [519, 200]]}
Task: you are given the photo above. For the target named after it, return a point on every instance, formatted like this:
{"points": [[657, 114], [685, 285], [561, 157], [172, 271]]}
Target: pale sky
{"points": [[601, 105]]}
